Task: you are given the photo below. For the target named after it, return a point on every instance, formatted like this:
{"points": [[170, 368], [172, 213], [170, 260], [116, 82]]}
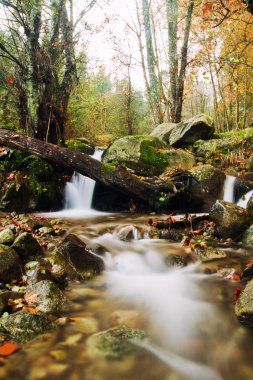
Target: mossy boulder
{"points": [[207, 254], [23, 326], [144, 154], [27, 247], [7, 236], [244, 305], [9, 264], [76, 260], [81, 145], [163, 131], [46, 297], [147, 155], [211, 181], [232, 220], [207, 149], [189, 131], [114, 343], [179, 158]]}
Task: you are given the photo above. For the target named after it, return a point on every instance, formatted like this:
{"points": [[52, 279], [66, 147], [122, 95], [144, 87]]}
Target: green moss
{"points": [[150, 156], [108, 168]]}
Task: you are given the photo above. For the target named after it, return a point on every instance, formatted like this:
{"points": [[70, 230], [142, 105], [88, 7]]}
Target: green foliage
{"points": [[152, 157], [98, 107]]}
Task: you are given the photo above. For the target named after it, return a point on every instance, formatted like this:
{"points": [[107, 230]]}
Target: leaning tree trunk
{"points": [[155, 192]]}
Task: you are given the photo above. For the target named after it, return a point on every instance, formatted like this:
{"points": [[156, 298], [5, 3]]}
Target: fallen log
{"points": [[151, 191]]}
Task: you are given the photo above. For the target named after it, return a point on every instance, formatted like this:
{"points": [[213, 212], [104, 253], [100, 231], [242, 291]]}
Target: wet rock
{"points": [[27, 247], [47, 230], [176, 261], [247, 238], [85, 325], [171, 234], [7, 236], [249, 206], [198, 127], [209, 253], [231, 220], [163, 131], [129, 318], [9, 264], [244, 305], [34, 224], [45, 296], [77, 259], [23, 326], [211, 181], [114, 343], [36, 272], [127, 233]]}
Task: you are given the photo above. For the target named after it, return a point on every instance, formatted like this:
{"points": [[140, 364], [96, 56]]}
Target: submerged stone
{"points": [[115, 343], [23, 326]]}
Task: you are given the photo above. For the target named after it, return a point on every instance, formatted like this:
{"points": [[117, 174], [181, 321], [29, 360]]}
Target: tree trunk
{"points": [[154, 192]]}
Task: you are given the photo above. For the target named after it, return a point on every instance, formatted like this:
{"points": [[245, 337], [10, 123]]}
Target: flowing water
{"points": [[229, 189], [187, 314]]}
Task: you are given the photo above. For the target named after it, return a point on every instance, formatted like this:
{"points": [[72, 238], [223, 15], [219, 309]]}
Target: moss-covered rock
{"points": [[17, 196], [23, 326], [232, 220], [46, 297], [211, 181], [179, 158], [80, 145], [144, 154], [27, 247], [7, 236], [209, 253], [163, 131], [244, 305], [114, 343], [209, 148], [189, 131], [9, 264]]}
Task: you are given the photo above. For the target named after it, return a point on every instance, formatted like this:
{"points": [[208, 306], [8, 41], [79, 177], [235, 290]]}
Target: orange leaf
{"points": [[8, 348], [30, 309]]}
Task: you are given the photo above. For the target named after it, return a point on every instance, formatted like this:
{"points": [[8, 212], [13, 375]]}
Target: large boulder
{"points": [[211, 181], [189, 131], [114, 343], [45, 296], [163, 131], [144, 154], [247, 238], [207, 149], [232, 220], [17, 197], [23, 326], [147, 155], [77, 260], [9, 264], [244, 305]]}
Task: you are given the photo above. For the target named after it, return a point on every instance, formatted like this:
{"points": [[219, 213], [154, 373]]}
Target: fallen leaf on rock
{"points": [[8, 348]]}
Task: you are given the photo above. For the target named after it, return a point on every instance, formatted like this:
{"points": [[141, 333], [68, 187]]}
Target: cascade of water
{"points": [[229, 185], [245, 198], [79, 192]]}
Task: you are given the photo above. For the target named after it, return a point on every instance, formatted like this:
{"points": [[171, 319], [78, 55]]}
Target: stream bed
{"points": [[187, 314]]}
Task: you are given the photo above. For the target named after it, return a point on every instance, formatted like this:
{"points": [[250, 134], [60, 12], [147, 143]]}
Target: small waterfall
{"points": [[78, 196], [229, 186], [244, 199], [79, 191]]}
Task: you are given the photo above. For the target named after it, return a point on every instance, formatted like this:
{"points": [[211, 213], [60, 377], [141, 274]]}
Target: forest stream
{"points": [[187, 314]]}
